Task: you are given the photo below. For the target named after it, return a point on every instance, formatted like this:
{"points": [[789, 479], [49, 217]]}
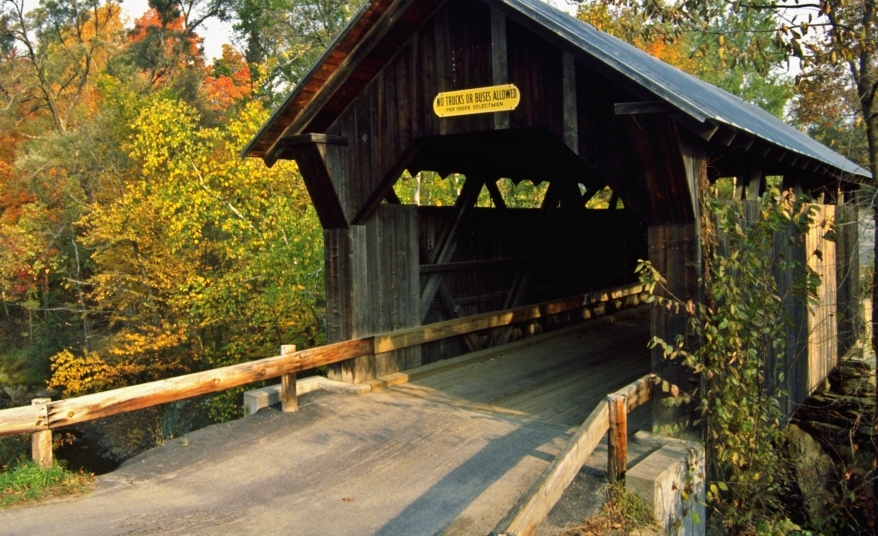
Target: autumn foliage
{"points": [[135, 244]]}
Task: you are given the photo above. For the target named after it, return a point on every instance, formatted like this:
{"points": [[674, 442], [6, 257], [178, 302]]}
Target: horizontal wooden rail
{"points": [[29, 419], [536, 503]]}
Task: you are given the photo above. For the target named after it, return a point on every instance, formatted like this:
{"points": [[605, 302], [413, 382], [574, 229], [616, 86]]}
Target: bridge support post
{"points": [[41, 442], [288, 396], [617, 438]]}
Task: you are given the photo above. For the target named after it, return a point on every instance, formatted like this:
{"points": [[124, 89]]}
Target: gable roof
{"points": [[700, 101]]}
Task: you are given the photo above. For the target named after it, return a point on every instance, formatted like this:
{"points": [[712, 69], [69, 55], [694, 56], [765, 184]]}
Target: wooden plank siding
{"points": [[812, 342], [672, 250], [847, 276], [452, 50], [822, 322], [372, 283]]}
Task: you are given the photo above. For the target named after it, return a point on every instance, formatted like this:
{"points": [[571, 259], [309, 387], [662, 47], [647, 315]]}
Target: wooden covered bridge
{"points": [[514, 89], [490, 90]]}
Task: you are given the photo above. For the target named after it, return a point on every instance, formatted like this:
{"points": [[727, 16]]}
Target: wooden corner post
{"points": [[288, 396], [41, 442], [617, 438]]}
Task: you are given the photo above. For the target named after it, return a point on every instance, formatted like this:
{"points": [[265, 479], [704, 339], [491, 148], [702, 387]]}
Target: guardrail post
{"points": [[288, 396], [41, 442], [617, 448]]}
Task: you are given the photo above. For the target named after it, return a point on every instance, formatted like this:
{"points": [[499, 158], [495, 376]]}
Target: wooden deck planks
{"points": [[558, 381]]}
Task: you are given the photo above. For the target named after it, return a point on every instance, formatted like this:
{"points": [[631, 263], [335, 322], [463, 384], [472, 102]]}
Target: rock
{"points": [[48, 393], [18, 394], [813, 470]]}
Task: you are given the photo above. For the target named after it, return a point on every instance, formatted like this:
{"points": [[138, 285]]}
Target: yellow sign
{"points": [[477, 101]]}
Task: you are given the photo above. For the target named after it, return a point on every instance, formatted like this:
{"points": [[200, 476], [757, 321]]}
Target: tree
{"points": [[286, 37], [205, 260], [699, 53], [52, 52]]}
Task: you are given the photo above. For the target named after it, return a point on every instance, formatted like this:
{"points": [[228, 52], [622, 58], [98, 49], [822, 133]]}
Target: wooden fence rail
{"points": [[50, 415], [536, 503]]}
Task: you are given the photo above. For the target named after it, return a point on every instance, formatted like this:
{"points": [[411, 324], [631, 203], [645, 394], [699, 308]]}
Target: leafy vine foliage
{"points": [[740, 331]]}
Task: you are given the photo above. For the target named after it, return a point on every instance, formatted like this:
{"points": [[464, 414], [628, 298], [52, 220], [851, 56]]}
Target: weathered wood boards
{"points": [[373, 287], [41, 441], [98, 405], [672, 252], [822, 322], [537, 502], [561, 254], [617, 438], [847, 275]]}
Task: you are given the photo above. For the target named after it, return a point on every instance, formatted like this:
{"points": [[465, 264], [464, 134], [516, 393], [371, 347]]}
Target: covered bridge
{"points": [[516, 89]]}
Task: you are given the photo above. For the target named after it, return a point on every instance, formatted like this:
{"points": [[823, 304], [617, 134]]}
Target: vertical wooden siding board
{"points": [[442, 60], [362, 177], [390, 292], [484, 52], [571, 128], [377, 283], [404, 274], [337, 163], [392, 105], [848, 276], [414, 290], [380, 130], [401, 275], [343, 289], [499, 63], [672, 252], [405, 101], [791, 246], [395, 276], [429, 81], [552, 88], [331, 276], [822, 341], [335, 167]]}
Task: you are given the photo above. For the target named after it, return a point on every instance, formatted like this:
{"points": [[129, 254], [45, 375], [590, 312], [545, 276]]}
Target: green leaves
{"points": [[741, 332]]}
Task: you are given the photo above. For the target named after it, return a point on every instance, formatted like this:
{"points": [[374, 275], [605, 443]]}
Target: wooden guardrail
{"points": [[47, 415], [609, 416]]}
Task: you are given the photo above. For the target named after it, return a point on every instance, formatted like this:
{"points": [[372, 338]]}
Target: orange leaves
{"points": [[162, 45], [228, 81]]}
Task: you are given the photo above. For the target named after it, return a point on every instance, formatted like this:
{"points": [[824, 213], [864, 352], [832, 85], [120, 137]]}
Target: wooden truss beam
{"points": [[309, 152], [386, 185], [447, 243]]}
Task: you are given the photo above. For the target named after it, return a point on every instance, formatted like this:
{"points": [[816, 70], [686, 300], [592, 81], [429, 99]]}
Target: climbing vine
{"points": [[741, 329]]}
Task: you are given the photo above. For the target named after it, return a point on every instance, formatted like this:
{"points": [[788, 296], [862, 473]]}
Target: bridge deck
{"points": [[449, 453], [558, 381]]}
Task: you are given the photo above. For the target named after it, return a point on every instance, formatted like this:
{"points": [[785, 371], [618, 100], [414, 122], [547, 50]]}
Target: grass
{"points": [[623, 513], [25, 481]]}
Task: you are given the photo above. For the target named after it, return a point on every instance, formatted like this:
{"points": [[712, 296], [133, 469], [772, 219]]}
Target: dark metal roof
{"points": [[695, 98]]}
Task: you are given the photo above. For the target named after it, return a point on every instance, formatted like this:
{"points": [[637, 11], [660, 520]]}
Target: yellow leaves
{"points": [[206, 256], [87, 374]]}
